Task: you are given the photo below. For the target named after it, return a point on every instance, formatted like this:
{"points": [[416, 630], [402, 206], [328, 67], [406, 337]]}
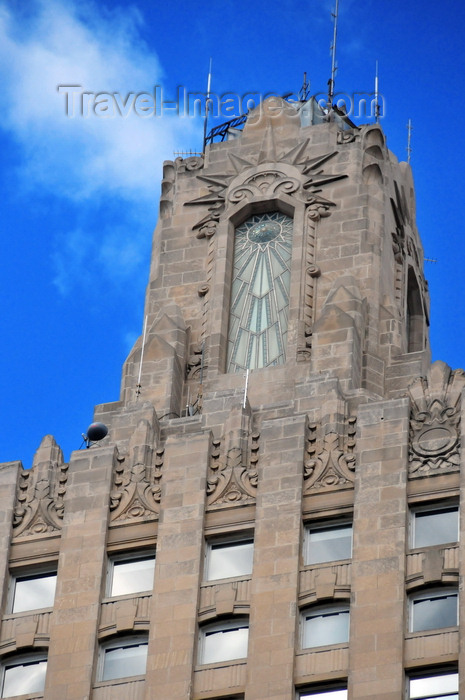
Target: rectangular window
{"points": [[229, 559], [32, 592], [340, 694], [325, 625], [328, 542], [23, 675], [124, 657], [434, 525], [437, 687], [224, 642], [130, 573], [433, 610]]}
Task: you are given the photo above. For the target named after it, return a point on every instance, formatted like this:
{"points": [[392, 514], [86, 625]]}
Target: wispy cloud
{"points": [[46, 43]]}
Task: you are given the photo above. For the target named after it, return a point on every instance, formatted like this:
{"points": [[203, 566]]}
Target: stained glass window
{"points": [[260, 292]]}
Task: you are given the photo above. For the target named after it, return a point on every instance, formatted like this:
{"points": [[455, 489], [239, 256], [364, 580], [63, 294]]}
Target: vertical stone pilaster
{"points": [[461, 559], [377, 625], [8, 481], [81, 567], [276, 562], [173, 631]]}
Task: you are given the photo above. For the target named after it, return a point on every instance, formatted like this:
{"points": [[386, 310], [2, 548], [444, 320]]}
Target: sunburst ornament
{"points": [[309, 191]]}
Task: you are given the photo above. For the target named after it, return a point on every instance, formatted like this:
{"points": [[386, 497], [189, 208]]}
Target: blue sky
{"points": [[80, 195]]}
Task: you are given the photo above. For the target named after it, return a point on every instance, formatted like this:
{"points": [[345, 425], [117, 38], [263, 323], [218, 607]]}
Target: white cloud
{"points": [[46, 43]]}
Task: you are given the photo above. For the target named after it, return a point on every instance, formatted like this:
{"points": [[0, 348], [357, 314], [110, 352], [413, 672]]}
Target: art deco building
{"points": [[274, 513]]}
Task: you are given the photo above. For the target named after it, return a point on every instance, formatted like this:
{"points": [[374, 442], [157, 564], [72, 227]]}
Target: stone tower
{"points": [[274, 514]]}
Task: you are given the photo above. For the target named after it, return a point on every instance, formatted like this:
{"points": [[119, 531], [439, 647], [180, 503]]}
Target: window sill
{"points": [[323, 647], [431, 633], [127, 596], [221, 581], [27, 613], [221, 664], [119, 681], [322, 564]]}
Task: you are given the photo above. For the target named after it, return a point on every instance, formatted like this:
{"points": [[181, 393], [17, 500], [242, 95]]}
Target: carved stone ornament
{"points": [[190, 163], [231, 480], [347, 136], [268, 182], [330, 460], [136, 479], [194, 363], [435, 422], [39, 501]]}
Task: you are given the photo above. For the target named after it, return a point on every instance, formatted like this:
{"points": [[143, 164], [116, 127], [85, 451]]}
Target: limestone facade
{"points": [[355, 432]]}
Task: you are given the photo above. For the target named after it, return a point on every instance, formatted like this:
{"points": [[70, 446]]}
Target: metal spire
{"points": [[409, 139], [207, 105], [376, 94], [139, 385], [333, 57]]}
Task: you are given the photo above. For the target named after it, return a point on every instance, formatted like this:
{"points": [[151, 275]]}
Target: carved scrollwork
{"points": [[266, 183], [330, 460], [434, 438], [207, 229], [434, 446], [190, 163], [347, 136], [194, 362], [231, 480], [398, 246], [41, 490], [136, 488], [136, 492]]}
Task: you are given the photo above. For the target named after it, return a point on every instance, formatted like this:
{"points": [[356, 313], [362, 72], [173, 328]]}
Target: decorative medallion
{"points": [[435, 422]]}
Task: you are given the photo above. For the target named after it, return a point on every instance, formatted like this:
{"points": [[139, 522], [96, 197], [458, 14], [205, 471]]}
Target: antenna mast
{"points": [[304, 90], [376, 94], [334, 15], [139, 385], [207, 105], [409, 139]]}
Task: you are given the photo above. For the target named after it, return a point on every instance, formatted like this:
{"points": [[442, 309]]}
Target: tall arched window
{"points": [[260, 292]]}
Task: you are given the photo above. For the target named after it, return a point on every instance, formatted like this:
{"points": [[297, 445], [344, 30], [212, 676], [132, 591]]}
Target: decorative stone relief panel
{"points": [[312, 272], [39, 500], [25, 631], [435, 421], [124, 615], [136, 479], [324, 582], [330, 460], [268, 182], [233, 477]]}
